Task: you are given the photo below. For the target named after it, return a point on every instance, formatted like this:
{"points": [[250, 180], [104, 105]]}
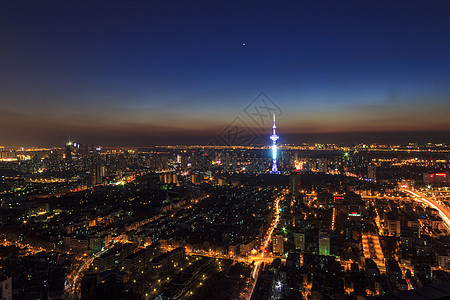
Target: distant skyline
{"points": [[176, 72]]}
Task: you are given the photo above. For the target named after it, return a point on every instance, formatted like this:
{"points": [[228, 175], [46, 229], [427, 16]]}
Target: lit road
{"points": [[259, 260], [84, 266], [72, 284], [444, 212], [255, 269], [274, 224], [372, 249]]}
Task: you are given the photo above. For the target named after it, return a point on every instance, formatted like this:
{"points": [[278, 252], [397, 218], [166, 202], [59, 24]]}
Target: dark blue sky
{"points": [[115, 71]]}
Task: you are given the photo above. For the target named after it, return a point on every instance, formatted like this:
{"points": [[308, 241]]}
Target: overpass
{"points": [[444, 212]]}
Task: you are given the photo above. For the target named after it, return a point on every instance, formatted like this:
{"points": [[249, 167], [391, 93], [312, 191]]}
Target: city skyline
{"points": [[157, 73], [267, 150]]}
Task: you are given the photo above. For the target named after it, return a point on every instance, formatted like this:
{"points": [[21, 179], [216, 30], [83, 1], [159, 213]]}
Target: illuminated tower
{"points": [[274, 137]]}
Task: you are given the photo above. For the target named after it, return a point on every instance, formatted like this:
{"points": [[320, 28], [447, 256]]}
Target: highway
{"points": [[444, 212]]}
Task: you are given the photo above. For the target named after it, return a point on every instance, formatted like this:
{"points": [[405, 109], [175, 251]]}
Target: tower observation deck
{"points": [[274, 137]]}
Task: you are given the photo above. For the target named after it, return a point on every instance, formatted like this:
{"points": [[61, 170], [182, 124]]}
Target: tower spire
{"points": [[274, 137]]}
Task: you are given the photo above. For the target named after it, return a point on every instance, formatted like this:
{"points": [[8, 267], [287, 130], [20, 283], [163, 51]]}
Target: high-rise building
{"points": [[196, 178], [299, 241], [324, 243], [68, 151], [278, 244], [372, 172], [436, 178], [175, 178], [274, 137], [97, 173], [5, 287], [222, 181], [392, 222], [294, 185], [322, 165], [170, 178]]}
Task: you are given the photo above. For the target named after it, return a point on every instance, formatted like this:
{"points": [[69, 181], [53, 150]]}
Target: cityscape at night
{"points": [[156, 150]]}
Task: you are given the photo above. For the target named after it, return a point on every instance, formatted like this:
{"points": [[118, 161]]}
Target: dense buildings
{"points": [[173, 222], [163, 174]]}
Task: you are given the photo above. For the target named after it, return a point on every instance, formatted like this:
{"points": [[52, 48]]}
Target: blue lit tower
{"points": [[274, 137]]}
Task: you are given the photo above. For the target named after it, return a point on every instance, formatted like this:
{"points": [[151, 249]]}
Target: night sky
{"points": [[158, 72]]}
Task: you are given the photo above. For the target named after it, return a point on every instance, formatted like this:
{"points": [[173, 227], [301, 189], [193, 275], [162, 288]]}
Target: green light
{"points": [[283, 229]]}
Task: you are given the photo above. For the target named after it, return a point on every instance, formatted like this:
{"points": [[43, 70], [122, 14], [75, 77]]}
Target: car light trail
{"points": [[444, 212], [82, 268], [275, 223]]}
